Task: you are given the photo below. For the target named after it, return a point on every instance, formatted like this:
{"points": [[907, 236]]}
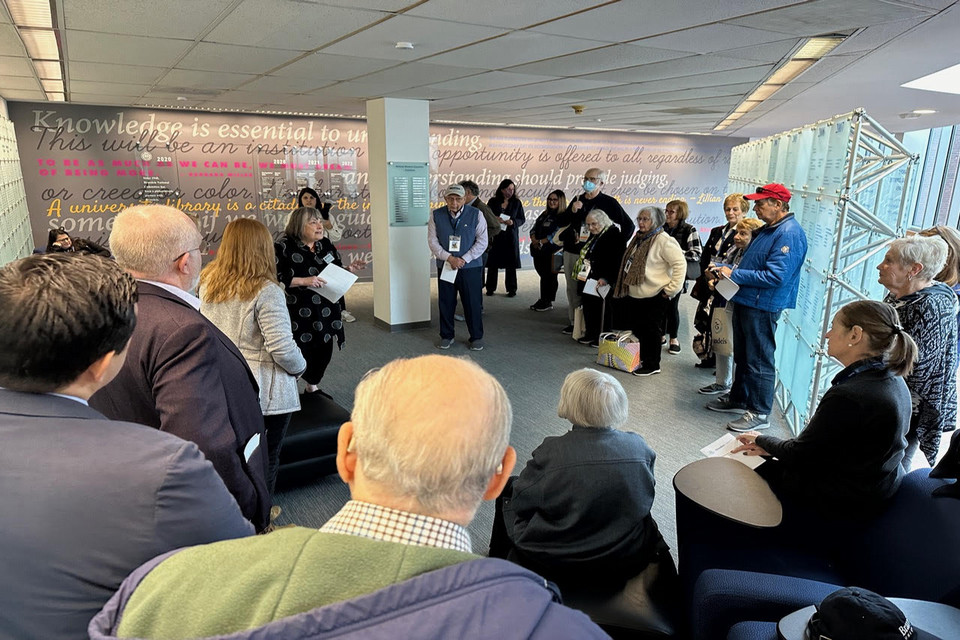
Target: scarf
{"points": [[636, 256], [585, 251]]}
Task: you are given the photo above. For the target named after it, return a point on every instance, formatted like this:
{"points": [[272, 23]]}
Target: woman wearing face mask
{"points": [[576, 233], [542, 249], [717, 305], [735, 207], [688, 238], [651, 273], [505, 253]]}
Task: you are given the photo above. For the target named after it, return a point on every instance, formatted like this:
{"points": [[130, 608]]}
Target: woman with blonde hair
{"points": [[240, 294]]}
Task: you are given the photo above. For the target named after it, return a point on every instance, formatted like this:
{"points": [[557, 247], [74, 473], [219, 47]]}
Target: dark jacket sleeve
{"points": [[608, 255], [193, 505], [618, 215], [284, 272]]}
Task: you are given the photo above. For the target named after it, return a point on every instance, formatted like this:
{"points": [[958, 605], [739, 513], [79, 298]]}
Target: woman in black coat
{"points": [[689, 240], [505, 252], [543, 248], [599, 260], [847, 461], [59, 241]]}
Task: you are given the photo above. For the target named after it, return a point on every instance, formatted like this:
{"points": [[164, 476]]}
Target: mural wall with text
{"points": [[84, 164]]}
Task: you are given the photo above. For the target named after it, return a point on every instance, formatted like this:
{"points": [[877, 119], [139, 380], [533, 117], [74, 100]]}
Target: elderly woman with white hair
{"points": [[928, 312], [599, 260], [580, 509], [652, 273]]}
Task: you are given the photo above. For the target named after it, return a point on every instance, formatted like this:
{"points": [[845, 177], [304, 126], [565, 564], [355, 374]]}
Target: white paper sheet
{"points": [[448, 273], [727, 288], [722, 447], [338, 282], [590, 287]]}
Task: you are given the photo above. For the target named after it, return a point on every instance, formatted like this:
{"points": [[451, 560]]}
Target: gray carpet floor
{"points": [[526, 351]]}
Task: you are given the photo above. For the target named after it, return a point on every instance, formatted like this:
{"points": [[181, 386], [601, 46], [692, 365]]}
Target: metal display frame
{"points": [[862, 213]]}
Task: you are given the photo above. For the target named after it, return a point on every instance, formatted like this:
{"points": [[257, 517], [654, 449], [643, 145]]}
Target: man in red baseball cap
{"points": [[769, 277]]}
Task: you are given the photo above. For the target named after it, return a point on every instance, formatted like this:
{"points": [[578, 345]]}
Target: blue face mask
{"points": [[588, 185]]}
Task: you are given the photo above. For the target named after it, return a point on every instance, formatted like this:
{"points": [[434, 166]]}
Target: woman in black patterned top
{"points": [[302, 254], [928, 312]]}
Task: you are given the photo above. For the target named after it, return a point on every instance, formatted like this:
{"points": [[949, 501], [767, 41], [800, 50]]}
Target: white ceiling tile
{"points": [[325, 67], [692, 65], [376, 5], [290, 24], [508, 14], [428, 37], [711, 38], [102, 72], [102, 98], [10, 43], [168, 19], [868, 39], [87, 46], [284, 85], [402, 78], [183, 78], [543, 91], [246, 97], [771, 52], [512, 49], [827, 67], [626, 21], [207, 56], [487, 82], [829, 16], [597, 60], [19, 83], [85, 86], [13, 66], [17, 94]]}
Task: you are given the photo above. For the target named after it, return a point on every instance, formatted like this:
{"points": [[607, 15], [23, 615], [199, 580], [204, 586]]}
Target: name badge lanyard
{"points": [[455, 222]]}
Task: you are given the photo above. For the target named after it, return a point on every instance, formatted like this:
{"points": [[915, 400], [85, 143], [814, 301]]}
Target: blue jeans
{"points": [[754, 345]]}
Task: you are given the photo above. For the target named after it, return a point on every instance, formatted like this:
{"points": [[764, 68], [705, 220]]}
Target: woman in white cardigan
{"points": [[651, 274], [239, 293]]}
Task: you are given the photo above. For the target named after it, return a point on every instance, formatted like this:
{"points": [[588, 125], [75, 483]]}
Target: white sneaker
{"points": [[346, 316]]}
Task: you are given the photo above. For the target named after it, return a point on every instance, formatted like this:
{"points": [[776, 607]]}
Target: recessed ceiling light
{"points": [[404, 45], [924, 112]]}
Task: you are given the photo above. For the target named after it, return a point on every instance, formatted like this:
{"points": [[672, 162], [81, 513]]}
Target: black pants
{"points": [[510, 279], [593, 314], [543, 263], [317, 353], [276, 426], [645, 316], [673, 317]]}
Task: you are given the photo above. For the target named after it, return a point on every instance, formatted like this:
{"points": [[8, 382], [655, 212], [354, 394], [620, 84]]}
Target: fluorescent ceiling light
{"points": [[55, 97], [52, 86], [41, 44], [924, 112], [765, 91], [31, 13], [944, 81], [789, 71], [816, 48], [47, 69]]}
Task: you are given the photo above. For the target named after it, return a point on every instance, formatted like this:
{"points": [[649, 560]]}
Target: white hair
{"points": [[591, 398], [601, 173], [146, 239], [601, 217], [928, 251], [413, 431]]}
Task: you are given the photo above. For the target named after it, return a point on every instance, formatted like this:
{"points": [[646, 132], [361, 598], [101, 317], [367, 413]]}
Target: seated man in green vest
{"points": [[428, 441]]}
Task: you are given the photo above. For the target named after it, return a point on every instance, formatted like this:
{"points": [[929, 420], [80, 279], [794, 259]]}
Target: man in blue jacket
{"points": [[769, 278], [426, 443]]}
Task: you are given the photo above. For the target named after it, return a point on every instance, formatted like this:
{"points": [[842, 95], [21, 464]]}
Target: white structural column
{"points": [[397, 131]]}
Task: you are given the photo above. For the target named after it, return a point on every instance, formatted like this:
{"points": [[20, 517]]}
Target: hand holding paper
{"points": [[338, 281]]}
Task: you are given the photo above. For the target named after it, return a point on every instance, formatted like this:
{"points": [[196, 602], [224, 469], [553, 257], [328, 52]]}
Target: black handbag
{"points": [[693, 270]]}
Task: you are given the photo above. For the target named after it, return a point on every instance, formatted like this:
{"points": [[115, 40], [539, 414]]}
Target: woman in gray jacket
{"points": [[240, 294]]}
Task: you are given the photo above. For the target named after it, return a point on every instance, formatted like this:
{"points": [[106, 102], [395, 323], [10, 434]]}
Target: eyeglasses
{"points": [[775, 194], [553, 199], [202, 249]]}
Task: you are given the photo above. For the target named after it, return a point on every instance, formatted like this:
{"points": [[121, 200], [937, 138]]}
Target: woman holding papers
{"points": [[302, 254], [651, 274], [847, 461], [505, 252], [596, 271], [239, 293]]}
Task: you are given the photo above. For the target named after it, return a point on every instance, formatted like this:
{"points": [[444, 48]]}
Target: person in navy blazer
{"points": [[85, 501], [183, 375]]}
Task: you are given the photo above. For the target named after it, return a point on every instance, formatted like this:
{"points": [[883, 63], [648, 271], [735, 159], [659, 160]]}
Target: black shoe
{"points": [[586, 340], [709, 363], [567, 330], [674, 349], [646, 371], [489, 293], [511, 294]]}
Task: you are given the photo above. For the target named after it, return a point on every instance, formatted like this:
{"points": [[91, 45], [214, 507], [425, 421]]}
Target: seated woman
{"points": [[580, 509], [59, 241], [847, 461]]}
